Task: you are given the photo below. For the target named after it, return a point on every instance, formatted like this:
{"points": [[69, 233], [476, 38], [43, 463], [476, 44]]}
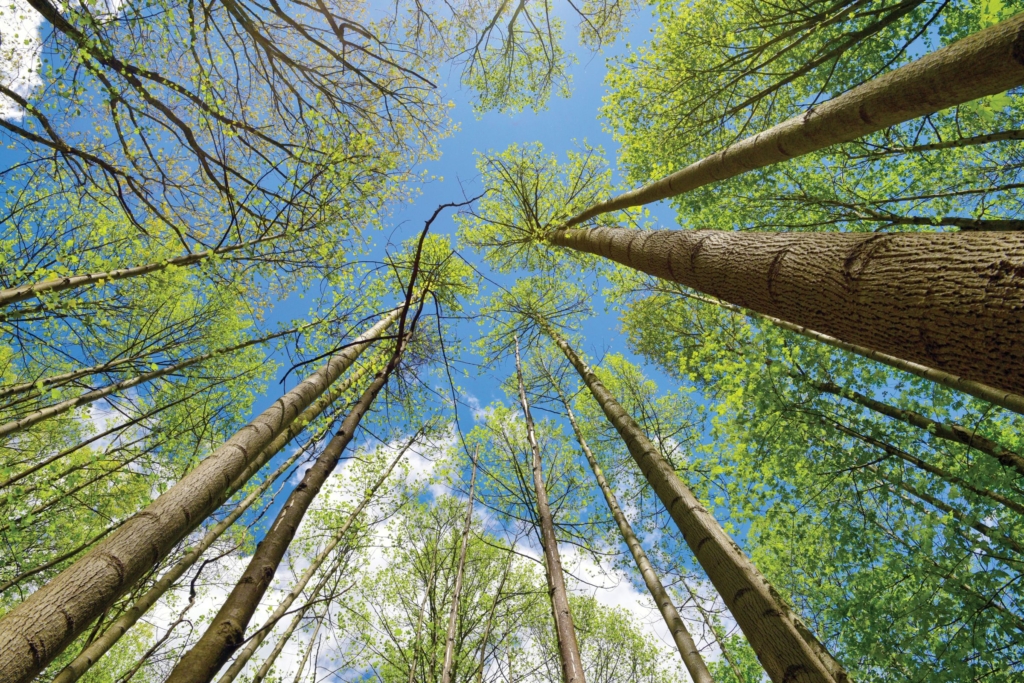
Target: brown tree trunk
{"points": [[37, 630], [920, 464], [985, 63], [688, 649], [950, 432], [296, 590], [227, 630], [952, 301], [101, 645], [565, 631], [453, 617], [787, 650], [1014, 402]]}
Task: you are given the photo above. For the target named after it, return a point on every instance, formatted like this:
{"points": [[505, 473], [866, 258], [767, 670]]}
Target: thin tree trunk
{"points": [[293, 594], [920, 464], [419, 622], [24, 292], [568, 648], [951, 301], [985, 63], [48, 412], [787, 650], [1013, 402], [227, 630], [950, 432], [453, 617], [719, 638], [490, 617], [309, 650], [39, 629], [985, 139], [688, 649]]}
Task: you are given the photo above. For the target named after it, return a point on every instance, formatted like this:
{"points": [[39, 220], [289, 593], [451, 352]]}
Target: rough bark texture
{"points": [[952, 301], [950, 432], [688, 650], [37, 630], [296, 590], [102, 644], [786, 649], [986, 63], [1014, 402], [565, 631], [453, 616], [227, 630]]}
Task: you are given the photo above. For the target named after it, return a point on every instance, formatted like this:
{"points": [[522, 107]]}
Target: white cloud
{"points": [[20, 46]]}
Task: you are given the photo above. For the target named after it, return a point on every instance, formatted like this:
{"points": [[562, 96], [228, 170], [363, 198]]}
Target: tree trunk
{"points": [[97, 648], [37, 630], [296, 590], [952, 301], [227, 630], [950, 432], [1014, 402], [46, 413], [982, 64], [565, 631], [688, 650], [453, 617], [490, 617], [920, 464], [24, 292], [787, 650]]}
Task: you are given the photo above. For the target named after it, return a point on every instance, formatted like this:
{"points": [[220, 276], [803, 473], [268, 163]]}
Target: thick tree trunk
{"points": [[453, 617], [950, 432], [688, 649], [36, 631], [300, 585], [565, 631], [785, 648], [227, 630], [24, 292], [101, 645], [985, 63], [48, 412], [952, 301], [1014, 402]]}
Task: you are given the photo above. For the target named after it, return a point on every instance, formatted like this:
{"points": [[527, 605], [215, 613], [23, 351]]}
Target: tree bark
{"points": [[453, 617], [952, 301], [296, 590], [227, 630], [985, 63], [565, 631], [37, 630], [48, 412], [950, 432], [688, 649], [787, 650], [1014, 402], [101, 645], [24, 292]]}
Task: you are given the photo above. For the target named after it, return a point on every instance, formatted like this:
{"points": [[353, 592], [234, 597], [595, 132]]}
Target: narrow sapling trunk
{"points": [[688, 649], [227, 630], [949, 301], [786, 649], [453, 616], [37, 630], [565, 631]]}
